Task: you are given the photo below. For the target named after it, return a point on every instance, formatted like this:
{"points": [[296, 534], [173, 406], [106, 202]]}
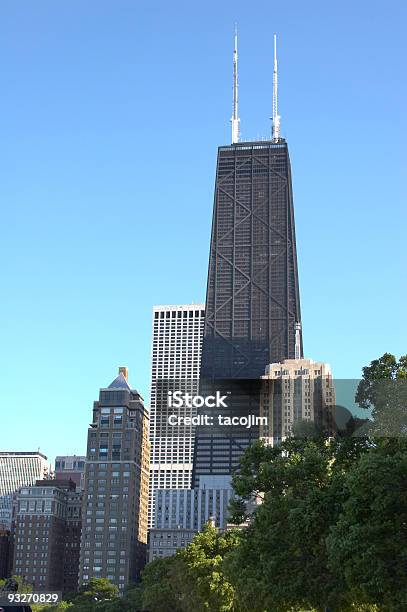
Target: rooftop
{"points": [[120, 382]]}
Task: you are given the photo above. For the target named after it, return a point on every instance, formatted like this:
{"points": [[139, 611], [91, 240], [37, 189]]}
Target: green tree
{"points": [[383, 389], [158, 585], [306, 429], [22, 585], [193, 579], [62, 606], [94, 594], [367, 546], [282, 561], [207, 587], [132, 599]]}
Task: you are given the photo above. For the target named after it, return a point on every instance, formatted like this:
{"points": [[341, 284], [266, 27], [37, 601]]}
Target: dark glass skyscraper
{"points": [[252, 300], [252, 315]]}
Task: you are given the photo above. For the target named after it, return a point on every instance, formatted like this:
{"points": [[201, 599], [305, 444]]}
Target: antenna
{"points": [[298, 341], [275, 126], [235, 118]]}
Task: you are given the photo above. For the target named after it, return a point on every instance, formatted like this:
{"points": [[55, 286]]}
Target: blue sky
{"points": [[111, 114]]}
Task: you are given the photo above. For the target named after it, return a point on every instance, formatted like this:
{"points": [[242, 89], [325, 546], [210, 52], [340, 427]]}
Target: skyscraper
{"points": [[293, 392], [252, 300], [115, 499], [16, 470], [176, 359]]}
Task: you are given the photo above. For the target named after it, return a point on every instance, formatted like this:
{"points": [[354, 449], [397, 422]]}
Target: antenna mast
{"points": [[297, 341], [235, 118], [275, 129]]}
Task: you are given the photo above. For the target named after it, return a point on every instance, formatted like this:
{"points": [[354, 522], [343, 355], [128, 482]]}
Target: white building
{"points": [[296, 390], [181, 513], [176, 358], [191, 508], [17, 470]]}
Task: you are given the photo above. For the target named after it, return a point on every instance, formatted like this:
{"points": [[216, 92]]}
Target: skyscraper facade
{"points": [[115, 499], [293, 392], [252, 298], [252, 301], [16, 470], [176, 358]]}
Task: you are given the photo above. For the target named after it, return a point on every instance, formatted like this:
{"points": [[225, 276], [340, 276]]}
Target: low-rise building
{"points": [[191, 508], [166, 542], [181, 513]]}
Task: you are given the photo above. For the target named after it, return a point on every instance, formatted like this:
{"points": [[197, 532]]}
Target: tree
{"points": [[132, 599], [193, 579], [158, 592], [367, 546], [93, 594], [203, 560], [384, 368], [383, 389], [306, 429], [62, 606], [282, 561], [17, 584]]}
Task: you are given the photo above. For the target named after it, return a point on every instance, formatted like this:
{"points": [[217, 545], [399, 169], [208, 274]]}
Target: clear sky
{"points": [[111, 113]]}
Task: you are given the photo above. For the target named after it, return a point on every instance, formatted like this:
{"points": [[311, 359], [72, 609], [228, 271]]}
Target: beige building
{"points": [[293, 391]]}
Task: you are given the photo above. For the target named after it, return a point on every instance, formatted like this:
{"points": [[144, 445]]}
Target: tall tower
{"points": [[115, 499], [252, 300], [176, 360]]}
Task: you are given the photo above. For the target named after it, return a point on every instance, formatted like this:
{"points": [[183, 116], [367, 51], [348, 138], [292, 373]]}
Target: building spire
{"points": [[297, 341], [235, 116], [275, 129]]}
